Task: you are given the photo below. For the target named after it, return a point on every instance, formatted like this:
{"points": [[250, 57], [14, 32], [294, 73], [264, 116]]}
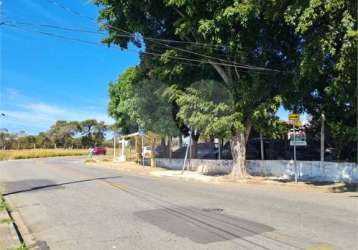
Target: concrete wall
{"points": [[308, 170]]}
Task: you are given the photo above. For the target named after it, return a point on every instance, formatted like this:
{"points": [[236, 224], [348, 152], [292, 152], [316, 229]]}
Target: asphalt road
{"points": [[67, 205]]}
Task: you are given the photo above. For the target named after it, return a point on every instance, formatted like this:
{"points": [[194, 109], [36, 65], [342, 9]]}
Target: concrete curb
{"points": [[26, 235], [9, 237], [196, 176]]}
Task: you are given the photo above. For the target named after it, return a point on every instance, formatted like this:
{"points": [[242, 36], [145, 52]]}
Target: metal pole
{"points": [[114, 146], [322, 143], [123, 148], [262, 147], [143, 149], [294, 150], [220, 139], [186, 154]]}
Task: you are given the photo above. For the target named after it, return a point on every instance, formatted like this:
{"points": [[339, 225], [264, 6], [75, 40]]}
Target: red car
{"points": [[99, 151]]}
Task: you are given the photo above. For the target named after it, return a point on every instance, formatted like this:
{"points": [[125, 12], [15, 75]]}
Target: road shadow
{"points": [[31, 185], [202, 225]]}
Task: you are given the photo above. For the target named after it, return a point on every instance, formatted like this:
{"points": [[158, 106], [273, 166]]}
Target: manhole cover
{"points": [[213, 210]]}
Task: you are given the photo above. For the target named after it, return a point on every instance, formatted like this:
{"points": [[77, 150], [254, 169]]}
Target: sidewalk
{"points": [[272, 182], [9, 237]]}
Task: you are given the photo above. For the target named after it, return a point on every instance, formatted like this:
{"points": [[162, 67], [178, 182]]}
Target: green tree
{"points": [[118, 94], [135, 102], [239, 34], [93, 132], [7, 139], [61, 133], [43, 140], [326, 80]]}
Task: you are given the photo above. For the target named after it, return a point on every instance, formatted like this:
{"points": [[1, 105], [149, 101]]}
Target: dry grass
{"points": [[90, 160], [39, 153]]}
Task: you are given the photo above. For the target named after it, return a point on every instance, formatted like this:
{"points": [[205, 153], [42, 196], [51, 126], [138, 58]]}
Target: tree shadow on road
{"points": [[203, 225], [31, 185]]}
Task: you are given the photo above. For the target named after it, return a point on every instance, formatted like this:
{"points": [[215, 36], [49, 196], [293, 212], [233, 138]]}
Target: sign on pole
{"points": [[293, 117], [141, 132]]}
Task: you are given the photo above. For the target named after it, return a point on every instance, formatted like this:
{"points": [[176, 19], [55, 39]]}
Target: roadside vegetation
{"points": [[20, 247], [39, 153], [3, 204], [222, 69], [62, 134]]}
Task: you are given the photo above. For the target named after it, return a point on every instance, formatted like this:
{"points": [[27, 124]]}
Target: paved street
{"points": [[68, 205]]}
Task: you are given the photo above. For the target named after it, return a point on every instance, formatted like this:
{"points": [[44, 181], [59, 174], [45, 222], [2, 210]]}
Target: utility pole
{"points": [[262, 147], [114, 146], [188, 147], [294, 150], [323, 118], [220, 141], [143, 149]]}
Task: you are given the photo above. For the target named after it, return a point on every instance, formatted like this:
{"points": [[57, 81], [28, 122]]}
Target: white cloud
{"points": [[44, 108], [34, 117]]}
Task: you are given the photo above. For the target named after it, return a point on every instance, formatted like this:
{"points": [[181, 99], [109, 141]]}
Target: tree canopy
{"points": [[301, 54], [139, 103], [62, 134]]}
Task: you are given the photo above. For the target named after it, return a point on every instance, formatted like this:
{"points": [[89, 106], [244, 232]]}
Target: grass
{"points": [[89, 160], [19, 247], [3, 204], [39, 153]]}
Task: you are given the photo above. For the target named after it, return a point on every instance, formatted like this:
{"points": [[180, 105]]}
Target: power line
{"points": [[69, 9], [220, 47], [97, 32], [143, 52], [157, 39], [52, 34], [53, 27]]}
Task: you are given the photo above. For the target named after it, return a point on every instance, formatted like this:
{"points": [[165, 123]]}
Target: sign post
{"points": [[188, 147], [294, 151], [294, 118], [123, 156], [114, 145], [323, 118], [141, 134]]}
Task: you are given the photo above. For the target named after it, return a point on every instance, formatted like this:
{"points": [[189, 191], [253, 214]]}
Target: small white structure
{"points": [[124, 143]]}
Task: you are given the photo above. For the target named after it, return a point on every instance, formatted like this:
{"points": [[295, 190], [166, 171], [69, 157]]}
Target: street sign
{"points": [[298, 143], [141, 132], [293, 117], [297, 137]]}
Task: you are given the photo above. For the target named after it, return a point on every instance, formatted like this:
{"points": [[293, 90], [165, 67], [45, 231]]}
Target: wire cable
{"points": [[156, 39], [140, 51]]}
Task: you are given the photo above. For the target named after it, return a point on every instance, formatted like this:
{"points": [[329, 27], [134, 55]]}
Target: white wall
{"points": [[308, 170]]}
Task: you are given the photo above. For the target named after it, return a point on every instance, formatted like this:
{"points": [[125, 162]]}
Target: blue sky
{"points": [[43, 78]]}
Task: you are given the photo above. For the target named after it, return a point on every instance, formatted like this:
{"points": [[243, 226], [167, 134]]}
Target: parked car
{"points": [[161, 152], [99, 151], [203, 151]]}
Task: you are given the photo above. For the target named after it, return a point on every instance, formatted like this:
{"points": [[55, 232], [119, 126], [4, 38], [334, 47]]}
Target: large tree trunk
{"points": [[238, 151], [170, 147], [180, 140], [237, 142]]}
